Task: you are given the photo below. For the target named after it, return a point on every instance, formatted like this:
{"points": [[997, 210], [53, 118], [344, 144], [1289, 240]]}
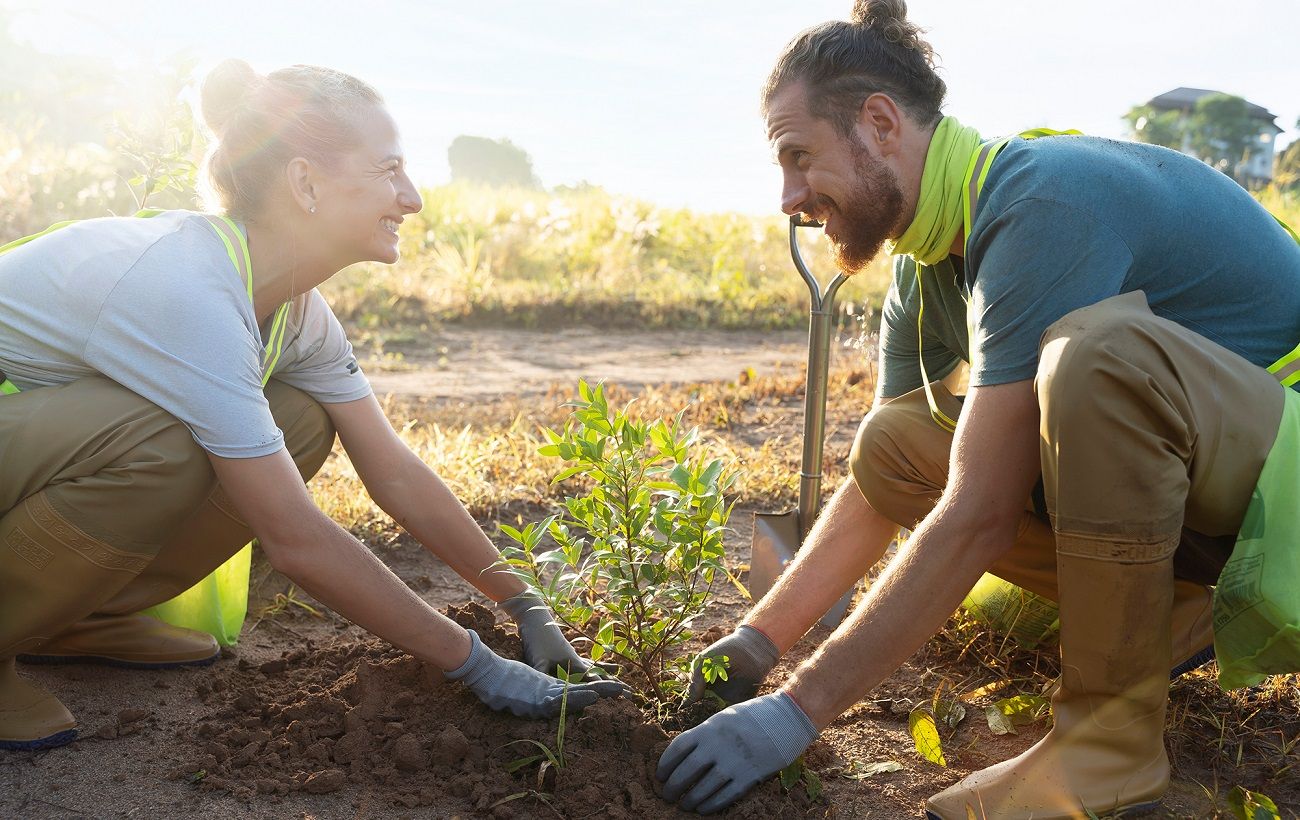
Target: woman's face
{"points": [[362, 201]]}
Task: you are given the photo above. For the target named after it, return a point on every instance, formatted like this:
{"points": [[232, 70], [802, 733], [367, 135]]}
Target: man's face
{"points": [[834, 179]]}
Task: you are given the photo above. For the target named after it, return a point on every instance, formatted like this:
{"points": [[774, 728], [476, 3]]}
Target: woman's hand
{"points": [[545, 647], [512, 686]]}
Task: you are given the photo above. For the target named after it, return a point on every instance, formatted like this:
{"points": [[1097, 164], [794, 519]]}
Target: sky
{"points": [[659, 100]]}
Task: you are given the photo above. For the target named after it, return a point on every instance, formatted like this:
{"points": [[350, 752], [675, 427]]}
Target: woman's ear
{"points": [[300, 174]]}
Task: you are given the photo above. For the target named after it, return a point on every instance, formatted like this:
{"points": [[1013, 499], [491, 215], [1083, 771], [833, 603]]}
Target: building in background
{"points": [[1228, 132]]}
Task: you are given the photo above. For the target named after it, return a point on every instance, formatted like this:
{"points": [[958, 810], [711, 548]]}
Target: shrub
{"points": [[634, 557]]}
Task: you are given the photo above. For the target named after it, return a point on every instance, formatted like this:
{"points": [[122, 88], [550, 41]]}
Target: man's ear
{"points": [[880, 123], [300, 174]]}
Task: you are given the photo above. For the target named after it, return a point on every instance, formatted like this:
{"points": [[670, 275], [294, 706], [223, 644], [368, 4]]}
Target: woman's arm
{"points": [[303, 543], [404, 487]]}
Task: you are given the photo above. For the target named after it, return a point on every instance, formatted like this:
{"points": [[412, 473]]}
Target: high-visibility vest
{"points": [[236, 248], [1286, 369]]}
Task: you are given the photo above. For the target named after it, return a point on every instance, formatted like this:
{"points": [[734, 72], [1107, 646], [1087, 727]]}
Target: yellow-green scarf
{"points": [[938, 210]]}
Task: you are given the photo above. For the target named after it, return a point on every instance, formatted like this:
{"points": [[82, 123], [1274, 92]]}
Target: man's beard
{"points": [[870, 214]]}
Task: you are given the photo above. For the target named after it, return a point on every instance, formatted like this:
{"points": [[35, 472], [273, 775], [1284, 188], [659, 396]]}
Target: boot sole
{"points": [[103, 660], [52, 741], [1128, 811], [1194, 662]]}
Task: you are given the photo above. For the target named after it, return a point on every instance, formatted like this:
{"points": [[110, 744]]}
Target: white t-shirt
{"points": [[157, 306]]}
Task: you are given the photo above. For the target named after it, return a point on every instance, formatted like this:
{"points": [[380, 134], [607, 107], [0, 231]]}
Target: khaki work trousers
{"points": [[125, 484], [1147, 430]]}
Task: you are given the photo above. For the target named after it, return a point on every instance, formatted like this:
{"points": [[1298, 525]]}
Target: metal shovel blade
{"points": [[777, 536]]}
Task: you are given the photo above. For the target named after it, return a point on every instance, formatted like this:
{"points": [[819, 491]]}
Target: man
{"points": [[1124, 302]]}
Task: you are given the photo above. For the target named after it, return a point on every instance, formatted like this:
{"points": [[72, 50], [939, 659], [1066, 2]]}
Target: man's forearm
{"points": [[343, 574], [909, 603], [847, 540]]}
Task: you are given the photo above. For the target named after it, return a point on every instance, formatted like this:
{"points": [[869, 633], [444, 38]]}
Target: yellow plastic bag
{"points": [[217, 605], [1257, 600], [1031, 620]]}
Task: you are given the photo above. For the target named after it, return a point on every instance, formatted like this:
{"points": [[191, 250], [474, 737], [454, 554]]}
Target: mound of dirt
{"points": [[364, 716]]}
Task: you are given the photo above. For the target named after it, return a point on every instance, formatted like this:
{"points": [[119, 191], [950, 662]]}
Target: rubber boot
{"points": [[1031, 564], [130, 641], [1105, 753], [900, 463], [30, 717], [115, 636], [52, 574]]}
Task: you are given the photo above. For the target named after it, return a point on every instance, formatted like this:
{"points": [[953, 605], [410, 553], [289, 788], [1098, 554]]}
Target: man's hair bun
{"points": [[889, 18]]}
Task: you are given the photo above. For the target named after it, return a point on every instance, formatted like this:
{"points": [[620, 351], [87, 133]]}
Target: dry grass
{"points": [[487, 453]]}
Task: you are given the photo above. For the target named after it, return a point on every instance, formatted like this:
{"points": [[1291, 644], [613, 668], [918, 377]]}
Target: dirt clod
{"points": [[330, 780]]}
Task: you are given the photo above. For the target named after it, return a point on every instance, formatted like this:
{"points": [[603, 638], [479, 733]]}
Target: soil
{"points": [[310, 717]]}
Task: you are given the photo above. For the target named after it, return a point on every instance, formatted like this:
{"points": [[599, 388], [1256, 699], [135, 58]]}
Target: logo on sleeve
{"points": [[352, 367]]}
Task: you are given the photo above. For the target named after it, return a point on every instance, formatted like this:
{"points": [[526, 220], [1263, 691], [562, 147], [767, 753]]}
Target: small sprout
{"points": [[714, 668]]}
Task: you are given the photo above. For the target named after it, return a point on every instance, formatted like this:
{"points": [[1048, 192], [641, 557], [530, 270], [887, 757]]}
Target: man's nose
{"points": [[795, 193]]}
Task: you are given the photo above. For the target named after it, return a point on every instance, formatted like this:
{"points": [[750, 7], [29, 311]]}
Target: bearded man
{"points": [[1120, 306]]}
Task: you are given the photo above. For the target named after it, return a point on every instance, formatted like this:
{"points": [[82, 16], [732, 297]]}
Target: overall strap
{"points": [[237, 250], [977, 170], [1287, 369]]}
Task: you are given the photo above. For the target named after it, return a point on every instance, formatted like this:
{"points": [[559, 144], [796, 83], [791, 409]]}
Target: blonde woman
{"points": [[179, 378]]}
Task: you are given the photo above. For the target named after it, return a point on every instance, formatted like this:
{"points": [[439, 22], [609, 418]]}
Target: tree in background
{"points": [[494, 162], [1218, 129], [1221, 131], [1286, 168], [1156, 127]]}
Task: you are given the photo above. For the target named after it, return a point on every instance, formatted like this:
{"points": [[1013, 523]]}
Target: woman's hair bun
{"points": [[225, 92]]}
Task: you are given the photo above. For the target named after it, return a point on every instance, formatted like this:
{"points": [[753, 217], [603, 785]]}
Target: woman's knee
{"points": [[308, 430]]}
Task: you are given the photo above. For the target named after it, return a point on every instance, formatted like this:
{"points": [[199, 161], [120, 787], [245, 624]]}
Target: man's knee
{"points": [[898, 460]]}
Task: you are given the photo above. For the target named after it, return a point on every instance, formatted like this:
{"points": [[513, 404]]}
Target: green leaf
{"points": [[1249, 805], [949, 712], [859, 771], [812, 784], [921, 725], [1005, 715], [790, 774]]}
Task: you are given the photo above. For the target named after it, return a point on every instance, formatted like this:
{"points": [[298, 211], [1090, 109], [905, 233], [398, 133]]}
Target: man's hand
{"points": [[749, 654], [509, 685], [709, 767], [545, 647]]}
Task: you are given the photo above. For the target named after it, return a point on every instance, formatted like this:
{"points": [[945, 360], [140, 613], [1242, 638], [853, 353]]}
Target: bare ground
{"points": [[310, 717]]}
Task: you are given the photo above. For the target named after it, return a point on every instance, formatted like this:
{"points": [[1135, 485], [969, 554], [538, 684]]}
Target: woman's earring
{"points": [[312, 209]]}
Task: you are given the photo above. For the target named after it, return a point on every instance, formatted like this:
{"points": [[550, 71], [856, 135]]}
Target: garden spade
{"points": [[777, 536]]}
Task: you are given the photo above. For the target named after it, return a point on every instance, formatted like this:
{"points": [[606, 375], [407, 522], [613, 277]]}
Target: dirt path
{"points": [[460, 363]]}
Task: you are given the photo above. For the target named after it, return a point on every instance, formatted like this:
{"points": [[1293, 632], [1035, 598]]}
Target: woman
{"points": [[149, 441]]}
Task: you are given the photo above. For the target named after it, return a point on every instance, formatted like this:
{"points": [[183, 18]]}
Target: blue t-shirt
{"points": [[1065, 222]]}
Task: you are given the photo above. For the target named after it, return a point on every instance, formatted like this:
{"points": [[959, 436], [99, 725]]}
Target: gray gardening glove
{"points": [[510, 685], [711, 766], [545, 647], [750, 656]]}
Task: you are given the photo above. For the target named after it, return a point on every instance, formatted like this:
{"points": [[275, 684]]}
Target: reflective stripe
{"points": [[233, 239], [940, 418], [977, 170], [236, 249]]}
